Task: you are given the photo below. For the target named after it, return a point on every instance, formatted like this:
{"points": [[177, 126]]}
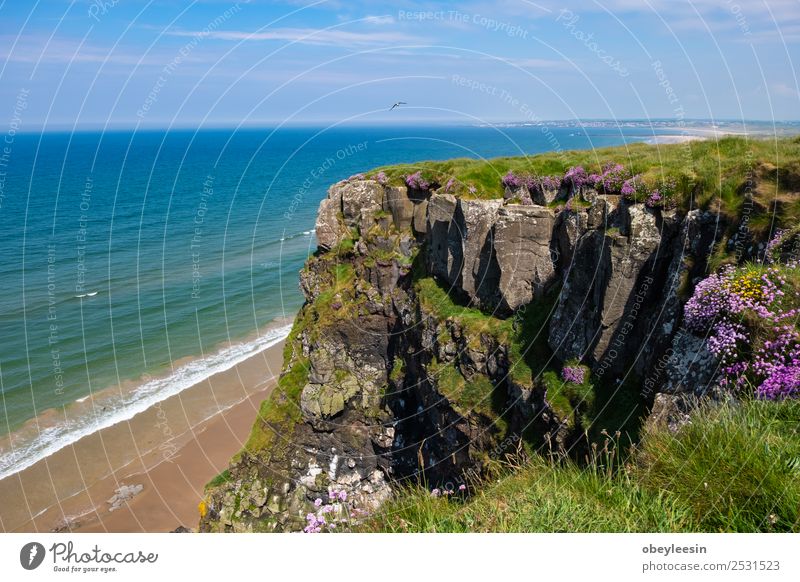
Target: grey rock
{"points": [[357, 196], [330, 230], [689, 367], [522, 239], [401, 207], [671, 411], [480, 275], [421, 217]]}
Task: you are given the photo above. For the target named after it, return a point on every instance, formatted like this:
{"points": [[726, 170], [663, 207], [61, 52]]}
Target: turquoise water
{"points": [[125, 252]]}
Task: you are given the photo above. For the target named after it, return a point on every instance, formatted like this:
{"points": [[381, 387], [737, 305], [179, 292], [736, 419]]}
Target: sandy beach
{"points": [[145, 474]]}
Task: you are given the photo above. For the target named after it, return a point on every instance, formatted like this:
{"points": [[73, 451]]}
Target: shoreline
{"points": [[55, 428], [145, 473]]}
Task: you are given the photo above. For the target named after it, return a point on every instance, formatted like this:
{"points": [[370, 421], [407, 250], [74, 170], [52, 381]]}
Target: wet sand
{"points": [[145, 474]]}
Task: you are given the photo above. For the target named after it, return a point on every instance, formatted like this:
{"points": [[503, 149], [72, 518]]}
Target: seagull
{"points": [[398, 104]]}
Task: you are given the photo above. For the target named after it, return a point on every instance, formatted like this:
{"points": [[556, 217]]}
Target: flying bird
{"points": [[398, 104]]}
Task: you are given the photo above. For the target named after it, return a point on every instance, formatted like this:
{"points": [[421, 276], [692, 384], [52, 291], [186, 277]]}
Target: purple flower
{"points": [[472, 189], [614, 177], [783, 382], [574, 374], [718, 308], [512, 181], [381, 178], [436, 492], [451, 184], [317, 502], [417, 182], [654, 199], [462, 487], [542, 185], [576, 177], [342, 495], [772, 254]]}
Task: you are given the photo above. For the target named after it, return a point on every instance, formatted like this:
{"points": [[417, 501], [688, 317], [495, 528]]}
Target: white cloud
{"points": [[385, 19], [325, 36], [784, 90]]}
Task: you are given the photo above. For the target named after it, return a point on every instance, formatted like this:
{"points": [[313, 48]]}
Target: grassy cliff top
{"points": [[733, 469], [709, 174]]}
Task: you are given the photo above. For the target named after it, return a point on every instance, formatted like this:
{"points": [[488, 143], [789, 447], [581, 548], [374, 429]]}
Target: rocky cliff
{"points": [[433, 333]]}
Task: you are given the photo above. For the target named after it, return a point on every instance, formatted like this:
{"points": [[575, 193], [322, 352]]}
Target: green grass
{"points": [[709, 173], [469, 396], [537, 498], [436, 300], [734, 468], [279, 413], [223, 477]]}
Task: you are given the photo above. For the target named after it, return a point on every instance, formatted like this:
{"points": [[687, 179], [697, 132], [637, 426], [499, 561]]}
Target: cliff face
{"points": [[432, 332]]}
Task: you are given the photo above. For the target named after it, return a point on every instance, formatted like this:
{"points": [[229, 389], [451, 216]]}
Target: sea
{"points": [[135, 264]]}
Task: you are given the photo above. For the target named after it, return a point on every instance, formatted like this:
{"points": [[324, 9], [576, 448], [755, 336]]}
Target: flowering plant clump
{"points": [[576, 177], [783, 245], [333, 514], [356, 177], [381, 178], [664, 195], [525, 197], [513, 181], [614, 177], [543, 184], [772, 254], [633, 189], [450, 186], [417, 182], [574, 374], [749, 318], [654, 199]]}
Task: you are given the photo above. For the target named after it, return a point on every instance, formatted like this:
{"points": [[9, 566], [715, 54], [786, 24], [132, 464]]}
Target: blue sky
{"points": [[125, 63]]}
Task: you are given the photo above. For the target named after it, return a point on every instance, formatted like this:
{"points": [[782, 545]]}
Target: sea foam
{"points": [[54, 438]]}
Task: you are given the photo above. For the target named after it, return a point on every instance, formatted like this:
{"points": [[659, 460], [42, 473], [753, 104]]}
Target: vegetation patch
{"points": [[705, 174], [734, 468]]}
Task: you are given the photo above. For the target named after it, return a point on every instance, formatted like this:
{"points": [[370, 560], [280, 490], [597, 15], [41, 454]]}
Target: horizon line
{"points": [[655, 122]]}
